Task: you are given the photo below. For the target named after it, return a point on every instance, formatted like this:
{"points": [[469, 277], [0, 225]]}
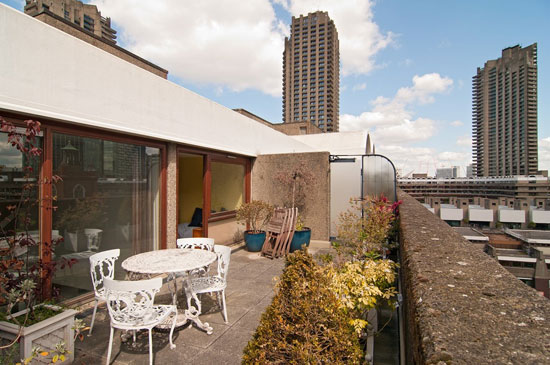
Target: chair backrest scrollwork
{"points": [[196, 242], [130, 302], [102, 265]]}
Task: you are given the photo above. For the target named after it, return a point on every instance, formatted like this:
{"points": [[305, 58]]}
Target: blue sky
{"points": [[406, 65]]}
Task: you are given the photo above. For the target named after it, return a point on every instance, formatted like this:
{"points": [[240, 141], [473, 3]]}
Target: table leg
{"points": [[175, 292]]}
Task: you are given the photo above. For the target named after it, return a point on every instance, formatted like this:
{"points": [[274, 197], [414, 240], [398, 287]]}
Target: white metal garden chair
{"points": [[196, 242], [215, 283], [199, 243], [102, 265], [93, 238], [131, 308]]}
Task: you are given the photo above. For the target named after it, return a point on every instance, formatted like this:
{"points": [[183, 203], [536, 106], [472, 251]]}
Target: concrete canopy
{"points": [[51, 74]]}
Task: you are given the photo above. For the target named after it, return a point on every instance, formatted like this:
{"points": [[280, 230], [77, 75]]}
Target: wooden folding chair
{"points": [[288, 232], [274, 232]]}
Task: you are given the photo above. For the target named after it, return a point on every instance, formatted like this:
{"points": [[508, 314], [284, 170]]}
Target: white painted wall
{"points": [[345, 177], [341, 143], [480, 215], [507, 215], [451, 214], [46, 72], [539, 216], [345, 183], [427, 206]]}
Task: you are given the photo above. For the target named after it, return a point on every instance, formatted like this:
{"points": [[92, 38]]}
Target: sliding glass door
{"points": [[108, 197]]}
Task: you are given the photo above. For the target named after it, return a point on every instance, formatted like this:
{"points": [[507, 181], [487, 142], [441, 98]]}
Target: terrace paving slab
{"points": [[249, 292]]}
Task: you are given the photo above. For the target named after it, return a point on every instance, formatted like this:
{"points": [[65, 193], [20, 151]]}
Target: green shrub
{"points": [[305, 323], [362, 286]]}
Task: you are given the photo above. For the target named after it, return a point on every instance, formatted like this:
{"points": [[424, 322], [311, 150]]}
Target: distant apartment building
{"points": [[533, 188], [512, 201], [84, 15], [446, 172], [311, 72], [469, 171], [525, 254], [504, 130]]}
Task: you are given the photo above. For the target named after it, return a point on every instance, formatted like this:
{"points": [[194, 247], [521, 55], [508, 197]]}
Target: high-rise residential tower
{"points": [[311, 72], [504, 130], [84, 15]]}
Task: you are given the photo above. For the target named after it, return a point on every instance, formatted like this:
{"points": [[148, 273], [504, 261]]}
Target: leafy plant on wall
{"points": [[294, 182], [364, 228]]}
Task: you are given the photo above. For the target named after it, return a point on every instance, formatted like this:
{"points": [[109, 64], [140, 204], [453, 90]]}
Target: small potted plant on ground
{"points": [[255, 216], [302, 235]]}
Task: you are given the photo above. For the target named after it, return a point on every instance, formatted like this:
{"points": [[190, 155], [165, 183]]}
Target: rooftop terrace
{"points": [[250, 290]]}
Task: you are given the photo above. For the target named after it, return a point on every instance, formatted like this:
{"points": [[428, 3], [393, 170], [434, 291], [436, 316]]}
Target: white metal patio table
{"points": [[171, 262]]}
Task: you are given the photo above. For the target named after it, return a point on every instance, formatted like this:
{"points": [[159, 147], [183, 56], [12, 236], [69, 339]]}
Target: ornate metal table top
{"points": [[168, 261]]}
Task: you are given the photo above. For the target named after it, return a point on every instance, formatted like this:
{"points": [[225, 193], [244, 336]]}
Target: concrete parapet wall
{"points": [[460, 305], [266, 187]]}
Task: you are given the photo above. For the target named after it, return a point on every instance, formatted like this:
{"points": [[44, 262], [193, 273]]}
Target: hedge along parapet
{"points": [[461, 306]]}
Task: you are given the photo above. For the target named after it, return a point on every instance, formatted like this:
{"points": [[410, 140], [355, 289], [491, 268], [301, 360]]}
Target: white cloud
{"points": [[407, 131], [408, 159], [464, 141], [237, 45], [358, 87], [544, 153], [457, 123], [452, 158], [423, 88], [359, 36], [422, 159], [392, 120], [214, 42], [393, 125]]}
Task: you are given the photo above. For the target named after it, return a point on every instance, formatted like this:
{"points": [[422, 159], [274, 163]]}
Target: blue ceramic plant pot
{"points": [[254, 241], [299, 238]]}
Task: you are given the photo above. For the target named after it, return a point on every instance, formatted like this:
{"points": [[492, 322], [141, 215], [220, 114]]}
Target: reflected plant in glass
{"points": [[24, 273]]}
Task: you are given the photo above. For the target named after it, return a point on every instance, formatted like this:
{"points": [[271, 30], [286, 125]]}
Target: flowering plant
{"points": [[363, 229]]}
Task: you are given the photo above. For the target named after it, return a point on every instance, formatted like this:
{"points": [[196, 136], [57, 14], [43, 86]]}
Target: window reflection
{"points": [[108, 198], [13, 177], [227, 186]]}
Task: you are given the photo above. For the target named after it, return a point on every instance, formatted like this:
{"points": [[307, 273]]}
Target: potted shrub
{"points": [[24, 279], [254, 215], [302, 235]]}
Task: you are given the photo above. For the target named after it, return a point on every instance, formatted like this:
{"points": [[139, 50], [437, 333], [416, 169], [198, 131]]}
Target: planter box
{"points": [[45, 334]]}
